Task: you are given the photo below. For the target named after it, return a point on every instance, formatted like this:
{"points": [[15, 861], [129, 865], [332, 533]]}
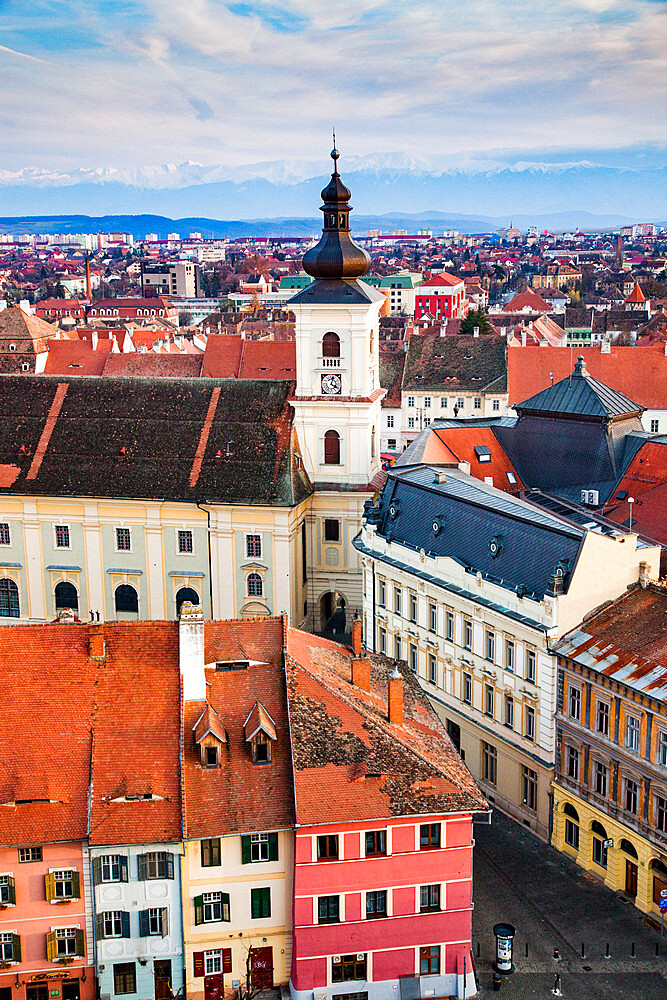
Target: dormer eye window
{"points": [[260, 733], [211, 756], [261, 750], [209, 735]]}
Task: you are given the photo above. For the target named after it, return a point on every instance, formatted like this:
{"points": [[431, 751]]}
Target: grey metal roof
{"points": [[580, 395], [336, 291], [507, 540]]}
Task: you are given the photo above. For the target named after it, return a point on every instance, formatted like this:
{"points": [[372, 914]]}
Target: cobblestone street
{"points": [[519, 880]]}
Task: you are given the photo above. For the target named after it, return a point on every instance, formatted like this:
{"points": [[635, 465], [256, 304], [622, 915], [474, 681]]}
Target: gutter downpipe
{"points": [[208, 547]]}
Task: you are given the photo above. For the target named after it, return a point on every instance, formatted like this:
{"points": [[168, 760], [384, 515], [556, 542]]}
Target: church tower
{"points": [[337, 400]]}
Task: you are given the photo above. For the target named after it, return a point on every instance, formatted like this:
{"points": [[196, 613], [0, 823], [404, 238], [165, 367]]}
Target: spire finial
{"points": [[334, 152]]}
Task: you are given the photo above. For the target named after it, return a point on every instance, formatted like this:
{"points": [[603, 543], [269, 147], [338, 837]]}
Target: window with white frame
{"points": [[7, 893], [572, 762], [531, 666], [411, 423], [253, 546], [432, 668], [632, 733], [390, 420], [488, 699], [123, 540], [432, 617], [413, 608], [214, 906], [467, 689], [602, 718], [574, 703], [259, 847], [413, 658], [382, 597], [398, 646], [662, 748], [112, 922], [383, 640], [411, 400], [7, 947], [185, 541], [490, 646], [660, 813], [600, 778], [467, 634], [62, 536], [443, 402], [509, 655], [450, 626], [65, 941], [5, 537], [530, 723], [427, 402], [63, 884], [397, 600], [495, 404], [110, 867], [255, 585], [213, 961], [509, 711], [630, 796]]}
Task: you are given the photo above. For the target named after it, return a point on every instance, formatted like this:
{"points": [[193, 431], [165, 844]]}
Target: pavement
{"points": [[554, 907]]}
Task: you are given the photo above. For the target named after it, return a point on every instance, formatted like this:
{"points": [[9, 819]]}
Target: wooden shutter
{"points": [[164, 921], [50, 887], [11, 890], [124, 924], [122, 864], [51, 946], [198, 964], [142, 867], [97, 871], [226, 959], [225, 906], [245, 851], [16, 948], [215, 851], [99, 927], [255, 903], [143, 923], [76, 885], [199, 909], [273, 847], [80, 943], [169, 865]]}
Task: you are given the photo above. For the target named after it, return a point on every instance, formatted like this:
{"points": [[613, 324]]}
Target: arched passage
{"points": [[66, 596], [333, 614], [126, 601], [186, 594]]}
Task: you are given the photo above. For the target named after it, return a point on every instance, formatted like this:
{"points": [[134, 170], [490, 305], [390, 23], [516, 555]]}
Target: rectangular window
{"points": [[110, 868], [574, 707], [443, 402], [413, 608], [631, 800], [390, 420], [383, 594], [509, 655], [7, 889], [602, 718], [155, 864], [478, 403], [10, 949], [429, 960], [530, 788], [347, 968], [490, 646], [467, 635], [383, 640], [432, 669], [398, 647], [65, 941], [259, 847], [432, 618], [411, 400], [467, 689], [632, 733], [600, 776], [572, 834], [123, 540], [5, 538], [509, 711], [327, 847], [215, 907], [376, 904], [495, 404], [489, 763], [460, 402], [488, 700], [427, 402], [185, 541], [397, 600], [30, 854], [662, 748], [328, 909], [391, 444], [429, 898], [376, 842], [253, 546], [413, 658], [450, 626], [661, 813], [531, 666], [210, 852], [572, 762], [429, 835], [655, 424], [599, 852], [63, 884], [124, 978], [62, 536], [112, 924], [530, 723], [213, 961], [156, 921], [260, 903], [411, 423], [331, 529]]}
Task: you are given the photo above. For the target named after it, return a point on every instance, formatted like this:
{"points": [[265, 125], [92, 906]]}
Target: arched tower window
{"points": [[332, 448], [66, 596], [330, 345], [254, 585]]}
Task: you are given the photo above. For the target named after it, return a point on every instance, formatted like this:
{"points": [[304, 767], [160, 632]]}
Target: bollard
{"points": [[556, 953], [657, 949], [497, 980], [526, 949], [556, 990], [606, 954], [632, 949], [583, 950], [478, 949]]}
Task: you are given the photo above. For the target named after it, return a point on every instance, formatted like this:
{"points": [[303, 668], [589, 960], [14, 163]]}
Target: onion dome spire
{"points": [[336, 255]]}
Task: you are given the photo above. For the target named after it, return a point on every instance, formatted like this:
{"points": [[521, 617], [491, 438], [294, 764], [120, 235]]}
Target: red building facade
{"points": [[443, 296]]}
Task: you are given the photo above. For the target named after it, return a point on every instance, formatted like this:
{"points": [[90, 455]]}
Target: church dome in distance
{"points": [[336, 255]]}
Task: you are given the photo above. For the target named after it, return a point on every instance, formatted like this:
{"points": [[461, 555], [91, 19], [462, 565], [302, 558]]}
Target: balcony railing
{"points": [[331, 362], [614, 811]]}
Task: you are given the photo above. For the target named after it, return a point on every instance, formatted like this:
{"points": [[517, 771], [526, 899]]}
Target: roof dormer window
{"points": [[209, 735], [260, 732]]}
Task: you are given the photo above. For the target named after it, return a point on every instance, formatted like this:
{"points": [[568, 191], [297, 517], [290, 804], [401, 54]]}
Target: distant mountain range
{"points": [[466, 195]]}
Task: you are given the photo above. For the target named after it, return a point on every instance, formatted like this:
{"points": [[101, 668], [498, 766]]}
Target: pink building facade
{"points": [[395, 902], [45, 938]]}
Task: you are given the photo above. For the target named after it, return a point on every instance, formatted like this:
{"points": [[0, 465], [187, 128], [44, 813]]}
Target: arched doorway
{"points": [[186, 594], [658, 870], [333, 615], [630, 867]]}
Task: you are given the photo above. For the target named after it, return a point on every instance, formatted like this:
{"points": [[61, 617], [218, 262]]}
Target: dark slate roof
{"points": [[469, 363], [336, 291], [392, 363], [580, 396], [196, 440], [471, 515]]}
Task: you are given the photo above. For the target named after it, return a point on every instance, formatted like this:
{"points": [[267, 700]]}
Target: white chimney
{"points": [[191, 652], [475, 331]]}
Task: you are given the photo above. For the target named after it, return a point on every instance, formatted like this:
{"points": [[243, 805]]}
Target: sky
{"points": [[122, 83]]}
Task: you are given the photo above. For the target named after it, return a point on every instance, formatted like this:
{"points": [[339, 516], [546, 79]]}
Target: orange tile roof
{"points": [[636, 295], [268, 359], [527, 298], [645, 479], [222, 356], [457, 444], [209, 722], [443, 278], [640, 375], [77, 357], [347, 754]]}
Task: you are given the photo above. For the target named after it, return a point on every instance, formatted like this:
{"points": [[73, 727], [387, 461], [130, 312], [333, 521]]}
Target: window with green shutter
{"points": [[256, 847], [260, 903], [210, 852], [16, 948]]}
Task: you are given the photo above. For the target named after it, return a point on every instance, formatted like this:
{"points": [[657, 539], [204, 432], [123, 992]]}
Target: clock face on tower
{"points": [[331, 385]]}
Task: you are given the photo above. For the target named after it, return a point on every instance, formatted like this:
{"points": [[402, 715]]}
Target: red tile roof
{"points": [[457, 444], [645, 480], [443, 278], [347, 754], [528, 299], [222, 356], [232, 356], [641, 375], [152, 365], [77, 357], [636, 295]]}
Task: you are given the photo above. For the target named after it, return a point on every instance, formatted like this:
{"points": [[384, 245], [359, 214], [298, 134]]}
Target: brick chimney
{"points": [[96, 644], [191, 652], [361, 665], [356, 636], [396, 697]]}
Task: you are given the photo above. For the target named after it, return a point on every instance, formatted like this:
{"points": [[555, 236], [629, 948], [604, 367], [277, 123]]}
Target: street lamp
{"points": [[631, 500]]}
